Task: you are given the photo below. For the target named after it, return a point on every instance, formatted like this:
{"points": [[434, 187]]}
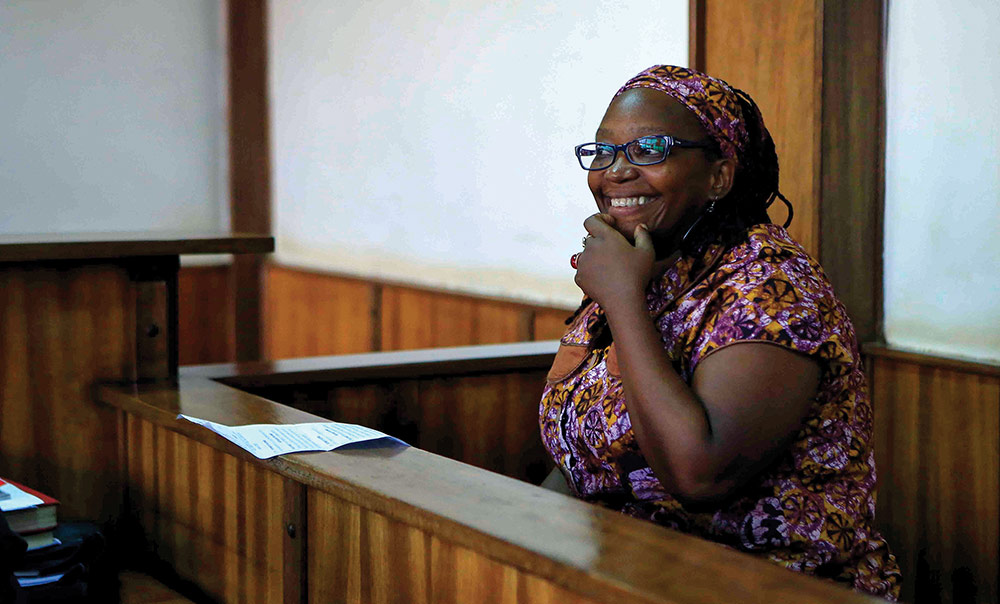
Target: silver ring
{"points": [[584, 242]]}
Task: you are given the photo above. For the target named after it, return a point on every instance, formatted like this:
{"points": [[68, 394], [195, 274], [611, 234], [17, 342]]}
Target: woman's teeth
{"points": [[625, 202]]}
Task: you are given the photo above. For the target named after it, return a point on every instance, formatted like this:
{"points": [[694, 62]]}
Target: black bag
{"points": [[12, 549], [88, 575]]}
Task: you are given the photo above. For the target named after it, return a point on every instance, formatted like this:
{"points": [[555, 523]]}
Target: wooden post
{"points": [[815, 68], [250, 165]]}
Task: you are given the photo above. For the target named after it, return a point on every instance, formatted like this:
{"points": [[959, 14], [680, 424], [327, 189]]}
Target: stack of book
{"points": [[30, 514], [63, 562]]}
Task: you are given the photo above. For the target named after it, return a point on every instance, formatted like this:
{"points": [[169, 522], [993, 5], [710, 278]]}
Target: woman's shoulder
{"points": [[768, 243], [769, 256], [768, 288]]}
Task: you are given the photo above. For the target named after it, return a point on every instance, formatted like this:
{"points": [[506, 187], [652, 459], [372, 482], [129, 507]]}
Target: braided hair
{"points": [[755, 185], [728, 220]]}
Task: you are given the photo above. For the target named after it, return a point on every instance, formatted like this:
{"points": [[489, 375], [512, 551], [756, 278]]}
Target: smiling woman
{"points": [[650, 407], [668, 196]]}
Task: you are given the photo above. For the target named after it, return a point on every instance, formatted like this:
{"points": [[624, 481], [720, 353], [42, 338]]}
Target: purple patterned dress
{"points": [[812, 509]]}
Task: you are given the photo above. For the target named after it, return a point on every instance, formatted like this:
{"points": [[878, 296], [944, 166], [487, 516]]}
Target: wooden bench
{"points": [[390, 523]]}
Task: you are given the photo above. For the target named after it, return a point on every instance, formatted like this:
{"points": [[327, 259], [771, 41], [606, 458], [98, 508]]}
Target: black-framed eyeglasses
{"points": [[643, 151]]}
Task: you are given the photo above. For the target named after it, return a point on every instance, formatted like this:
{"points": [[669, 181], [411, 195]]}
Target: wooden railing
{"points": [[400, 524]]}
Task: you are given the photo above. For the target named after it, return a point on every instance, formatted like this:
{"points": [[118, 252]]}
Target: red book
{"points": [[27, 511]]}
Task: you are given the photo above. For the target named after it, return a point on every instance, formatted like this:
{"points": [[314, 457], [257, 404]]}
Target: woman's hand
{"points": [[610, 269], [744, 404]]}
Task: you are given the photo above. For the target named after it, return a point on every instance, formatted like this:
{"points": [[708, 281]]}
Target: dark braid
{"points": [[755, 187], [579, 309], [600, 334]]}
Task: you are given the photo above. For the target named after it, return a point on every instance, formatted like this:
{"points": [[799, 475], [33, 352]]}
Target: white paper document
{"points": [[13, 498], [268, 440]]}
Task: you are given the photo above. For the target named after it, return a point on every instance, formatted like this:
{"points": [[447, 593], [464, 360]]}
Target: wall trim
{"points": [[977, 366]]}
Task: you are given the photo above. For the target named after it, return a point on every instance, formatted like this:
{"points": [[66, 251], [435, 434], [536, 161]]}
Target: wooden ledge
{"points": [[584, 548], [458, 360], [78, 246], [882, 351]]}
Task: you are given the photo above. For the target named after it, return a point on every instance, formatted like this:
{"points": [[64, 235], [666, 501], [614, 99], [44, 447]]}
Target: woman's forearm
{"points": [[744, 402], [744, 405], [671, 424]]}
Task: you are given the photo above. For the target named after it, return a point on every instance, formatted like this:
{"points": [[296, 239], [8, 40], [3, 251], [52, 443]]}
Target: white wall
{"points": [[432, 142], [112, 116], [942, 209]]}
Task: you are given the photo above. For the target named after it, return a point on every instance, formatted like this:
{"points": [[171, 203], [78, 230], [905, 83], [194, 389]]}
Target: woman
{"points": [[651, 407]]}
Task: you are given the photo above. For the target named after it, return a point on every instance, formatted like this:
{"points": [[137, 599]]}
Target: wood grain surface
{"points": [[379, 366], [815, 69], [67, 321], [923, 359], [487, 420], [154, 330], [62, 328], [772, 50], [247, 285], [550, 324], [205, 323], [357, 555], [311, 314], [217, 520], [419, 319], [493, 524], [249, 118], [138, 588], [937, 439], [852, 158]]}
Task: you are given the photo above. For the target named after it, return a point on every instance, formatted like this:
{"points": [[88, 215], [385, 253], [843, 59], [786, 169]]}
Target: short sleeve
{"points": [[779, 295]]}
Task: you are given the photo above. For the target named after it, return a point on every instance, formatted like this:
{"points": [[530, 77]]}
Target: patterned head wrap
{"points": [[713, 102]]}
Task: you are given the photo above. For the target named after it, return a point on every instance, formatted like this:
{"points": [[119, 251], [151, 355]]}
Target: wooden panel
{"points": [[955, 364], [312, 314], [205, 315], [938, 452], [769, 49], [357, 555], [550, 324], [376, 405], [489, 421], [219, 522], [61, 329], [414, 318]]}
